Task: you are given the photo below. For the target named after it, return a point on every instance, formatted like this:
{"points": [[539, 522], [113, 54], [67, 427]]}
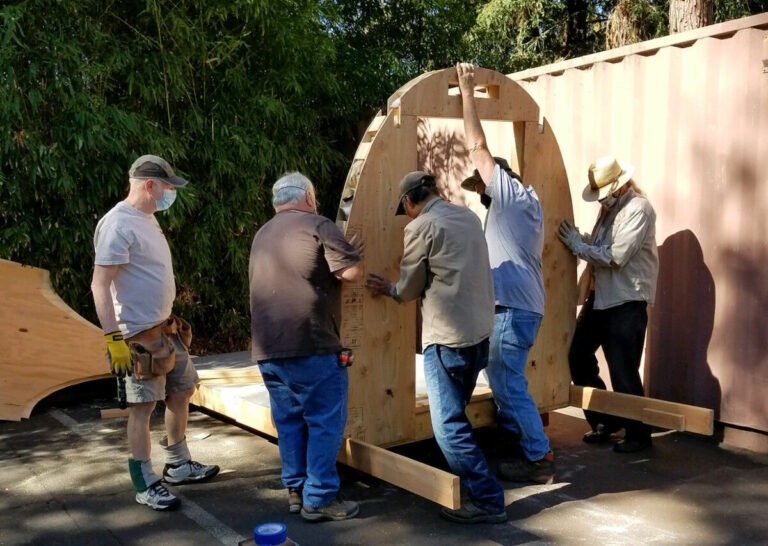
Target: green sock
{"points": [[142, 475]]}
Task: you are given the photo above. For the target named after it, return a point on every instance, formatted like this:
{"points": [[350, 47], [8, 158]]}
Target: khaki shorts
{"points": [[183, 377]]}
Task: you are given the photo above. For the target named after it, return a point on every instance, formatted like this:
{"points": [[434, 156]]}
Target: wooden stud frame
{"points": [[422, 130]]}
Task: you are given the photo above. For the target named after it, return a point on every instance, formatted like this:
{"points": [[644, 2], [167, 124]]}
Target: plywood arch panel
{"points": [[422, 130], [46, 345]]}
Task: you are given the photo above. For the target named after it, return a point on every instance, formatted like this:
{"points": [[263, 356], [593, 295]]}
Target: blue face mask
{"points": [[169, 196]]}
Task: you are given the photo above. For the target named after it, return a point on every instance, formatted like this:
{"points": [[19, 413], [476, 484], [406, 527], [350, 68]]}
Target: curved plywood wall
{"points": [[422, 130], [46, 345], [691, 112]]}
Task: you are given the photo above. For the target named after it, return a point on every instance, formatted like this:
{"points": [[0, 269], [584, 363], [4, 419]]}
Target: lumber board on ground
{"points": [[46, 345], [115, 413], [651, 411], [247, 405], [414, 476]]}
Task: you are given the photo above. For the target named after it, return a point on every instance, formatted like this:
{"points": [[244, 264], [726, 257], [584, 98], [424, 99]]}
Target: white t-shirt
{"points": [[144, 288]]}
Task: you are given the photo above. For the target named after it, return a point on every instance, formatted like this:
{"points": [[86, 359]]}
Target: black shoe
{"points": [[469, 513], [523, 470], [294, 500], [601, 435], [631, 446]]}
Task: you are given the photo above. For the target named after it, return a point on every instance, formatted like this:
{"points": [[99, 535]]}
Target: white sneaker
{"points": [[158, 497], [189, 472]]}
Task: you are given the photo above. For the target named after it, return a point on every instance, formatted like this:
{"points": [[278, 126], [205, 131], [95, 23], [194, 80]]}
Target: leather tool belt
{"points": [[153, 352]]}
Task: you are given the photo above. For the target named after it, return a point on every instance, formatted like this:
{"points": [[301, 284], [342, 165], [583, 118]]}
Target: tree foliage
{"points": [[233, 93]]}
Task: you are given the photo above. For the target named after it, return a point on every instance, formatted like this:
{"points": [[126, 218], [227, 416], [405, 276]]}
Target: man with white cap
{"points": [[619, 283], [133, 290]]}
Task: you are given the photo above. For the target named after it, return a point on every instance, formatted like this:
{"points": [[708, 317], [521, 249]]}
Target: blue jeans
{"points": [[308, 396], [514, 331], [451, 375]]}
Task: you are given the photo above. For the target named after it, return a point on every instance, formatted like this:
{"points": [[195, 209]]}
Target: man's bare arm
{"points": [[103, 275], [473, 130]]}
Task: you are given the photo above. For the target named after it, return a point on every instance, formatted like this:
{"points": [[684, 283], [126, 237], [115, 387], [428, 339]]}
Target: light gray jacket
{"points": [[621, 251]]}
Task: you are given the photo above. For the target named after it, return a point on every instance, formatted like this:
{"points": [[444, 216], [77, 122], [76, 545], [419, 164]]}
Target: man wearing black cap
{"points": [[445, 264], [514, 229], [133, 290]]}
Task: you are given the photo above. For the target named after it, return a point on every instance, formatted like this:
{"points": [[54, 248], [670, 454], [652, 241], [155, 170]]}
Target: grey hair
{"points": [[136, 181], [290, 188]]}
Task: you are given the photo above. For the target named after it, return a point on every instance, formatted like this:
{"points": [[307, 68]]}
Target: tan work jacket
{"points": [[445, 262]]}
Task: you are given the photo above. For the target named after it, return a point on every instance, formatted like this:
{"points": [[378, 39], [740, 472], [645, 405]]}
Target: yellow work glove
{"points": [[118, 354]]}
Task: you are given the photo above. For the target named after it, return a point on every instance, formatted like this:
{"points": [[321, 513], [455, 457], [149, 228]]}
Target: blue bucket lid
{"points": [[270, 533]]}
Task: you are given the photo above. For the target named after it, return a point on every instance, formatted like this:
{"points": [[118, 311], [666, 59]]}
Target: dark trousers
{"points": [[620, 331]]}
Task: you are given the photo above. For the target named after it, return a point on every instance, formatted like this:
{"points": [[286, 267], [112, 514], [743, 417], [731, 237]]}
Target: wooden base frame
{"points": [[245, 404], [660, 413]]}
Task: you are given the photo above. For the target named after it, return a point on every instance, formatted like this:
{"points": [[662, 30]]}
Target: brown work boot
{"points": [[336, 510], [523, 470], [469, 513], [294, 500]]}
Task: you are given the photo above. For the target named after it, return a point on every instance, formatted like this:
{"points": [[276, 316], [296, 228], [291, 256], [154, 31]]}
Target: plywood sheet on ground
{"points": [[46, 345]]}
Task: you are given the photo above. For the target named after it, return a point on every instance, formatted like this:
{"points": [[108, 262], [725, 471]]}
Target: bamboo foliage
{"points": [[233, 93]]}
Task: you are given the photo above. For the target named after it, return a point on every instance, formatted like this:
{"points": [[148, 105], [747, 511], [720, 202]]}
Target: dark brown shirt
{"points": [[295, 296]]}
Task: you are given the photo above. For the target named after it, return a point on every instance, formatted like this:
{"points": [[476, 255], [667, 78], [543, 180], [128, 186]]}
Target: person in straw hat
{"points": [[617, 286]]}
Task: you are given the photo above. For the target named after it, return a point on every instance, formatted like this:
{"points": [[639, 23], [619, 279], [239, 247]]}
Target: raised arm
{"points": [[473, 131]]}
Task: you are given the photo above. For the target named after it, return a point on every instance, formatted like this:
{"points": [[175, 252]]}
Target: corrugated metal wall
{"points": [[694, 121]]}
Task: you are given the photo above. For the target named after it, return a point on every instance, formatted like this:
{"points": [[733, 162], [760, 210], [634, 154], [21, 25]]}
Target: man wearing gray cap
{"points": [[514, 229], [445, 265], [133, 290]]}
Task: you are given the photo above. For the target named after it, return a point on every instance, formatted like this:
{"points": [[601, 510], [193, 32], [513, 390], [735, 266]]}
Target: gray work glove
{"points": [[571, 237]]}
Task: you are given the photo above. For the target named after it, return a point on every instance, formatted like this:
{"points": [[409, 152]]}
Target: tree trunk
{"points": [[622, 29], [689, 14]]}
